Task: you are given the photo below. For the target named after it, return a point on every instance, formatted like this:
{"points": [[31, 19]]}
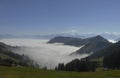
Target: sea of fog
{"points": [[44, 54]]}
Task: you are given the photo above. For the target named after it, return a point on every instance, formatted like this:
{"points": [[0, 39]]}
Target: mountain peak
{"points": [[98, 36], [94, 44], [62, 39]]}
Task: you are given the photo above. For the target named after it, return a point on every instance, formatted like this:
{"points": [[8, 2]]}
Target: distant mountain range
{"points": [[8, 36], [90, 45], [110, 36]]}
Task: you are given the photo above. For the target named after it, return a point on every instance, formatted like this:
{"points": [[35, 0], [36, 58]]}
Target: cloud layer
{"points": [[45, 54]]}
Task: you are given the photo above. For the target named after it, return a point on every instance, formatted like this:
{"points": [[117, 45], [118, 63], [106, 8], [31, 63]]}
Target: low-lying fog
{"points": [[45, 54]]}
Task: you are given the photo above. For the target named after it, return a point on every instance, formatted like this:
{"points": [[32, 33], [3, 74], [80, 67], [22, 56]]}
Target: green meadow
{"points": [[25, 72]]}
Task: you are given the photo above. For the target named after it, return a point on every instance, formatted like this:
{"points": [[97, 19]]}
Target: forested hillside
{"points": [[8, 58]]}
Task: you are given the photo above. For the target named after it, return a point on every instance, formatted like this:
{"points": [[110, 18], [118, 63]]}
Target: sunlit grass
{"points": [[25, 72]]}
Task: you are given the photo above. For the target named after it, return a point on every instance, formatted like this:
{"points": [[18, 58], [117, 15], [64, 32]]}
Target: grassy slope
{"points": [[23, 72]]}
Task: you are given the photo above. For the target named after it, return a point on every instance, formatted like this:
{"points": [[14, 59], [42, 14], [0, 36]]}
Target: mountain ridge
{"points": [[7, 57], [94, 44], [91, 44]]}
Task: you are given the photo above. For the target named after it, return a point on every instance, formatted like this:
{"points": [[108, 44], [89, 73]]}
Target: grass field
{"points": [[25, 72]]}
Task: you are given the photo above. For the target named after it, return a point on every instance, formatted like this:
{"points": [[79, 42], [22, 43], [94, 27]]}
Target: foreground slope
{"points": [[23, 72], [8, 58]]}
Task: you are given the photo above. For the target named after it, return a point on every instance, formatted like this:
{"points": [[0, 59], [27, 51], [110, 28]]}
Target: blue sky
{"points": [[59, 16]]}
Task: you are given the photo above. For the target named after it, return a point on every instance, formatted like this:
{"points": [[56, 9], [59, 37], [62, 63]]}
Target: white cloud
{"points": [[112, 33], [45, 54], [112, 41], [107, 33]]}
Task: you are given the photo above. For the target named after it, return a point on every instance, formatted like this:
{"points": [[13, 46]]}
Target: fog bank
{"points": [[45, 54]]}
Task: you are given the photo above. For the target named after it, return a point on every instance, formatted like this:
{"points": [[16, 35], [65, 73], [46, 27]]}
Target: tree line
{"points": [[82, 65]]}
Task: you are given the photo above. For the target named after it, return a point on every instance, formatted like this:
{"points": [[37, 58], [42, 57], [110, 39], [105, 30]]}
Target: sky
{"points": [[59, 16]]}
